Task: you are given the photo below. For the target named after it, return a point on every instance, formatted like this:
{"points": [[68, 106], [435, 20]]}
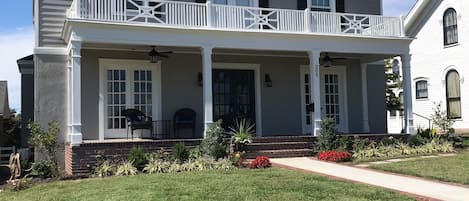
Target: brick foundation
{"points": [[80, 159]]}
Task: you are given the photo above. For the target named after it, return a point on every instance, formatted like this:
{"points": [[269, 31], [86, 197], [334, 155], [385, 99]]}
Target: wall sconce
{"points": [[268, 80], [200, 80]]}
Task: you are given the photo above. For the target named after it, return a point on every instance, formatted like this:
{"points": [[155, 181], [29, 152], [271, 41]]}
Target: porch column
{"points": [[407, 88], [366, 123], [75, 135], [207, 87], [315, 84]]}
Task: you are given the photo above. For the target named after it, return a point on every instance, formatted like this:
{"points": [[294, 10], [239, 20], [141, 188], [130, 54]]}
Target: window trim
{"points": [[447, 13], [453, 98], [417, 89]]}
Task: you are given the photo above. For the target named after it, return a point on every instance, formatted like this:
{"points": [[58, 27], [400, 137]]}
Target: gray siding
{"points": [[51, 21], [377, 99], [363, 6], [292, 4]]}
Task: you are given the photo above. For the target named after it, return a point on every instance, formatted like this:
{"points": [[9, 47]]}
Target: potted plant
{"points": [[241, 134]]}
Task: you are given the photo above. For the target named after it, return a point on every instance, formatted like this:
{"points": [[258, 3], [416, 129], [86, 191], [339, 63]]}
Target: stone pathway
{"points": [[414, 186], [367, 164]]}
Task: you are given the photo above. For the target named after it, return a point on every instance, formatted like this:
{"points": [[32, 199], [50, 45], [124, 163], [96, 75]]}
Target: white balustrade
{"points": [[226, 17]]}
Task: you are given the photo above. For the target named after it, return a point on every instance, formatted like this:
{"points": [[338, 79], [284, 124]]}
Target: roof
{"points": [[418, 13], [4, 106], [26, 64]]}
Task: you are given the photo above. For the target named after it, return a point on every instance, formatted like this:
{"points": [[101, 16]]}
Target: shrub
{"points": [[18, 184], [180, 152], [138, 157], [416, 140], [359, 144], [403, 149], [157, 166], [242, 132], [106, 169], [43, 169], [327, 139], [45, 141], [126, 169], [260, 162], [238, 159], [214, 140], [219, 151], [224, 164], [335, 156], [441, 120]]}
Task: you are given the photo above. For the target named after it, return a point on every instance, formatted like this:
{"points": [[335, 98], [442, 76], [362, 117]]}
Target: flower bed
{"points": [[260, 162], [335, 156]]}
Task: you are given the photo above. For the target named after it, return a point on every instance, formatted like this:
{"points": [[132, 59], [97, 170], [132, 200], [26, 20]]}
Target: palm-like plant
{"points": [[242, 132]]}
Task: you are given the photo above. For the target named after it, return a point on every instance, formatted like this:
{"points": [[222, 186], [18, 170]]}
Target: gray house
{"points": [[283, 65], [4, 107]]}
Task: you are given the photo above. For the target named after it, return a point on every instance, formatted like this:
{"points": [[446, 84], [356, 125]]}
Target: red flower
{"points": [[260, 162], [335, 156]]}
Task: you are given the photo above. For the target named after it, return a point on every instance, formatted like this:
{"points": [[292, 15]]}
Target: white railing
{"points": [[224, 17]]}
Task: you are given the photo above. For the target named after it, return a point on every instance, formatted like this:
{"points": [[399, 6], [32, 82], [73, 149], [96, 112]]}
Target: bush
{"points": [[214, 141], [43, 169], [126, 169], [335, 156], [45, 141], [327, 139], [219, 151], [157, 166], [416, 140], [180, 152], [106, 169], [260, 162], [138, 157]]}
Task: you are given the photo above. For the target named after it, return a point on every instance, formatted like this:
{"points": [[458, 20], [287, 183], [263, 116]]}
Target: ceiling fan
{"points": [[154, 55], [327, 61]]}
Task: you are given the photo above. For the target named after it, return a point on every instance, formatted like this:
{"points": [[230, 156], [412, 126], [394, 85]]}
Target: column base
{"points": [[75, 136], [207, 126], [317, 128], [410, 129]]}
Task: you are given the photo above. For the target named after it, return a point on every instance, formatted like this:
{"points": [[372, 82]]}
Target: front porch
{"points": [[262, 86]]}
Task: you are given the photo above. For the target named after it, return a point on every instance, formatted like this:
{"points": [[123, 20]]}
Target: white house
{"points": [[284, 65], [439, 60]]}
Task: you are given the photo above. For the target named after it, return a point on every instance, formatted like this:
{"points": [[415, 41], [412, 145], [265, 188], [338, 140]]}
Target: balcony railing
{"points": [[235, 18]]}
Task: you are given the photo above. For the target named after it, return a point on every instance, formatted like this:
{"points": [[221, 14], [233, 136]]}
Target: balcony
{"points": [[184, 15]]}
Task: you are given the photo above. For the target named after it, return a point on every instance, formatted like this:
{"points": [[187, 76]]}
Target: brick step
{"points": [[279, 146], [283, 139], [284, 153]]}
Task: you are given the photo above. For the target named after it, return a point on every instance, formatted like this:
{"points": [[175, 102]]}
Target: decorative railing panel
{"points": [[224, 17]]}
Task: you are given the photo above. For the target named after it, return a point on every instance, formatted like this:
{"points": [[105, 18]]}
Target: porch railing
{"points": [[225, 17]]}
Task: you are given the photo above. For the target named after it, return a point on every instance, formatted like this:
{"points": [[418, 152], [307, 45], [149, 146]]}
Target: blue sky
{"points": [[17, 37]]}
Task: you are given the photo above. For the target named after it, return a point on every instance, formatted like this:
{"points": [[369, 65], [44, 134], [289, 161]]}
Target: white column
{"points": [[366, 123], [75, 135], [314, 57], [407, 88], [208, 5], [207, 87]]}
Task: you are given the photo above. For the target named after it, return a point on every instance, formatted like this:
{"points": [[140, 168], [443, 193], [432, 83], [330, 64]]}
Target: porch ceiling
{"points": [[242, 52]]}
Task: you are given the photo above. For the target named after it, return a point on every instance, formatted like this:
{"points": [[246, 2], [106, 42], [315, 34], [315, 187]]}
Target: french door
{"points": [[128, 84], [233, 96], [333, 98]]}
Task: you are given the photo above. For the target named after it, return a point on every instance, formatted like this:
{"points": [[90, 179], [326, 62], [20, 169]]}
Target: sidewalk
{"points": [[410, 185]]}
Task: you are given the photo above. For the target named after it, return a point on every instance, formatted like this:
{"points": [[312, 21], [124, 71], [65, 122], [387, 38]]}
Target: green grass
{"points": [[451, 169], [271, 184]]}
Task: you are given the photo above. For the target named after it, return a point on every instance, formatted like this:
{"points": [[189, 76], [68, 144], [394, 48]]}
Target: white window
{"points": [[321, 5], [421, 89]]}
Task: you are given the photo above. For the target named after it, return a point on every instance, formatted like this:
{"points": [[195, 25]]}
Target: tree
{"points": [[12, 129], [393, 84]]}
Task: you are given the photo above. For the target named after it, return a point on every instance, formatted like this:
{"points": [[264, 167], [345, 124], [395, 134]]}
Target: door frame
{"points": [[257, 86], [104, 64], [341, 70]]}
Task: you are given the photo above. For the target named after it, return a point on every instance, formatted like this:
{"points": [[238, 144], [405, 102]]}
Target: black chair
{"points": [[137, 120], [184, 118]]}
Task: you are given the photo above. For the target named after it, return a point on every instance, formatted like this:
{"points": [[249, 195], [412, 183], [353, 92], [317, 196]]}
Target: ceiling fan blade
{"points": [[163, 55], [166, 52]]}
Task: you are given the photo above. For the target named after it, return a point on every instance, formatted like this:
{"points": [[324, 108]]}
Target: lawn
{"points": [[451, 169], [271, 184]]}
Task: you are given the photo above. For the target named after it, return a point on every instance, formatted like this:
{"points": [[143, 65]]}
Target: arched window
{"points": [[421, 89], [450, 26], [453, 95]]}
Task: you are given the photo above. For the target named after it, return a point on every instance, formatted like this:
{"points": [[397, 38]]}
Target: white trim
{"points": [[341, 70], [256, 68], [450, 68], [124, 64], [36, 23], [51, 50]]}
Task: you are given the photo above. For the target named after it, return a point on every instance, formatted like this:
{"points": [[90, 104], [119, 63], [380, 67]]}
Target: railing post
{"points": [[77, 9], [209, 13], [402, 25], [307, 19]]}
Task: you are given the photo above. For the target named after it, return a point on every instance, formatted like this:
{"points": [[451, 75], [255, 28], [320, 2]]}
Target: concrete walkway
{"points": [[410, 185]]}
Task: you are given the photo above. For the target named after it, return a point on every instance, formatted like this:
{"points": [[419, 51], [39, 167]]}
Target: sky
{"points": [[17, 38]]}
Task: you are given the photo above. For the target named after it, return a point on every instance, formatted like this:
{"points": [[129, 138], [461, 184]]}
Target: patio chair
{"points": [[137, 120], [184, 118]]}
